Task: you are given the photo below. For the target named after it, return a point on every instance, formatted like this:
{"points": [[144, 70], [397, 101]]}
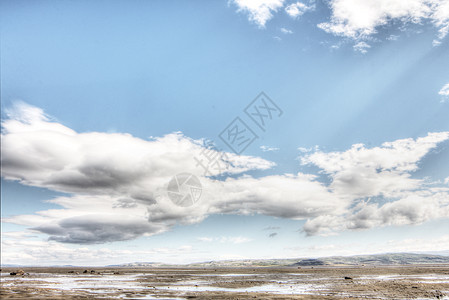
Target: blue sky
{"points": [[123, 90]]}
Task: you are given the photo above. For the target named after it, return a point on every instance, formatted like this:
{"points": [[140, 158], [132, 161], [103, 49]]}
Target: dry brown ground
{"points": [[162, 282]]}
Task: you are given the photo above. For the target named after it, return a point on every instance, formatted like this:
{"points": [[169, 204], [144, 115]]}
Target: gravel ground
{"points": [[398, 282]]}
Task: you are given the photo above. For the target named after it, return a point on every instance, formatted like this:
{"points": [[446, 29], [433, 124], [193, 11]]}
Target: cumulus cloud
{"points": [[359, 19], [97, 228], [116, 183], [297, 9], [379, 171], [385, 171], [43, 153], [109, 175], [259, 11], [412, 209], [440, 17]]}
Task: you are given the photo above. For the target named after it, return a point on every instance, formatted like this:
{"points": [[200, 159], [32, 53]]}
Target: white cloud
{"points": [[440, 17], [268, 149], [436, 43], [32, 251], [335, 47], [113, 178], [259, 11], [393, 37], [356, 248], [40, 152], [226, 239], [380, 171], [310, 149], [359, 18], [205, 239], [116, 183], [411, 209], [297, 9], [286, 31], [361, 173], [272, 228], [444, 92], [361, 47]]}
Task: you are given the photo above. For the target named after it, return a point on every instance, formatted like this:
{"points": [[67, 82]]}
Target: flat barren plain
{"points": [[323, 282]]}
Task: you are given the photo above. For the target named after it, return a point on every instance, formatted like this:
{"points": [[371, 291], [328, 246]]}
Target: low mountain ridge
{"points": [[356, 260]]}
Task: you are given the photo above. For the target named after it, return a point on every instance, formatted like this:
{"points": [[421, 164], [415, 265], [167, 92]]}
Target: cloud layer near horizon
{"points": [[24, 248], [116, 183]]}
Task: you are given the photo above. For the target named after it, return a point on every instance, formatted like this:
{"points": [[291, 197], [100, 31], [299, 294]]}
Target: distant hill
{"points": [[10, 266], [310, 262], [389, 259], [357, 260], [142, 264]]}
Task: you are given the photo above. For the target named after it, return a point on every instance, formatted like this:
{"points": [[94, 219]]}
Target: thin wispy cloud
{"points": [[272, 228], [444, 92], [225, 239], [393, 37], [286, 31], [269, 149], [361, 47], [310, 149]]}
